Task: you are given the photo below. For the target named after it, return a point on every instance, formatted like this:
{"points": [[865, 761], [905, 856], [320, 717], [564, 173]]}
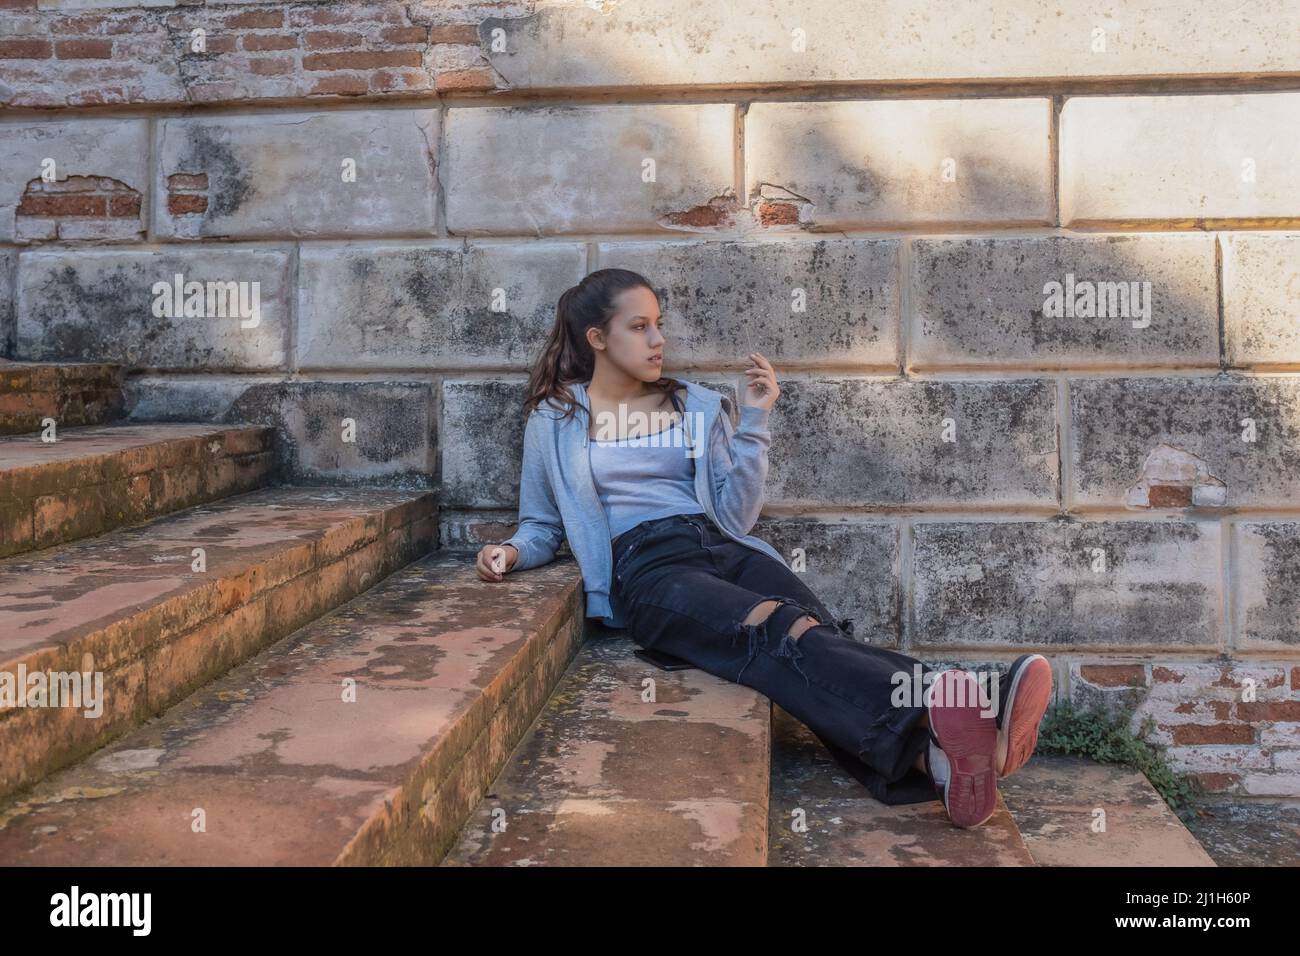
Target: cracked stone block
{"points": [[893, 442], [1062, 301], [483, 442], [824, 301], [1182, 158], [1268, 584], [904, 162], [852, 567], [356, 432], [228, 309], [568, 45], [443, 304], [1059, 584], [577, 169], [1261, 298], [81, 179], [344, 174], [1226, 441]]}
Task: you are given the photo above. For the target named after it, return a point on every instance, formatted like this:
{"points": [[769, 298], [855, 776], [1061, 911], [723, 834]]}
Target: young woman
{"points": [[658, 517]]}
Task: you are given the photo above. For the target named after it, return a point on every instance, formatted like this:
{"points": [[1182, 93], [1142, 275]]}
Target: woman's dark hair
{"points": [[567, 356]]}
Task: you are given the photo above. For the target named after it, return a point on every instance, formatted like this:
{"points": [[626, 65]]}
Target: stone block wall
{"points": [[1029, 271]]}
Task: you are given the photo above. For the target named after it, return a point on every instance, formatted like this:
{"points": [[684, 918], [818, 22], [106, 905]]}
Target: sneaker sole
{"points": [[1027, 700], [970, 742]]}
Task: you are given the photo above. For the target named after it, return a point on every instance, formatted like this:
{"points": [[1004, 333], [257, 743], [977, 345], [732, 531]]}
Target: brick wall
{"points": [[1028, 272]]}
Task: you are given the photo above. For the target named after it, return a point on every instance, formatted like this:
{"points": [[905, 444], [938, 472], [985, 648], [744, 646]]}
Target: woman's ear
{"points": [[596, 337]]}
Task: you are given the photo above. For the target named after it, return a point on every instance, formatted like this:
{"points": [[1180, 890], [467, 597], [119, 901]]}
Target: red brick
{"points": [[25, 49], [187, 181], [352, 13], [384, 80], [179, 204], [405, 35], [65, 204], [84, 49], [214, 92], [332, 40], [466, 80], [274, 41], [1212, 734], [256, 20], [361, 60], [108, 94], [213, 43], [1283, 710], [1170, 496], [1295, 678], [271, 66], [125, 205], [17, 4], [454, 33], [778, 214], [1114, 675], [1216, 782], [343, 85]]}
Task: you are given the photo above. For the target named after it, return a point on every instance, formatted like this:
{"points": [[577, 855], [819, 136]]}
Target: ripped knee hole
{"points": [[765, 609]]}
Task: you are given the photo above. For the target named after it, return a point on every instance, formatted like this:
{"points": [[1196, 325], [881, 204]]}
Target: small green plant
{"points": [[1102, 734]]}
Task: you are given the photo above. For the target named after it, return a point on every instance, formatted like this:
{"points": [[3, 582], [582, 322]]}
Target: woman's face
{"points": [[633, 339]]}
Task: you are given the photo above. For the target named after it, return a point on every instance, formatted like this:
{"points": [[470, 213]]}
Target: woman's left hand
{"points": [[762, 390]]}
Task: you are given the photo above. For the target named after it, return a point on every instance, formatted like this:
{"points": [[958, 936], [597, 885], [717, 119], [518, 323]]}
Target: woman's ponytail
{"points": [[567, 356]]}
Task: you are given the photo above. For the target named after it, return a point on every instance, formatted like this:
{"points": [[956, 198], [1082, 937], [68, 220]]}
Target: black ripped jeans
{"points": [[686, 588]]}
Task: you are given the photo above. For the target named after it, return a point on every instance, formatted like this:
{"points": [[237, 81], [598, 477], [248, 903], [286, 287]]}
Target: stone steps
{"points": [[133, 605], [579, 791], [1075, 812], [281, 769], [1045, 817], [606, 778], [98, 478], [72, 394], [609, 779], [821, 816]]}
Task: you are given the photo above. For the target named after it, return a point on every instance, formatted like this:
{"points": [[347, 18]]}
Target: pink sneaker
{"points": [[1022, 700], [963, 747]]}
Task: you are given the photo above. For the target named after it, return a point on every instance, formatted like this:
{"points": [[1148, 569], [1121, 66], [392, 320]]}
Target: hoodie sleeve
{"points": [[739, 466], [540, 527]]}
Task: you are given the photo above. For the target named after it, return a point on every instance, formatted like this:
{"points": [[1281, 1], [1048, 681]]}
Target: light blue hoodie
{"points": [[558, 499]]}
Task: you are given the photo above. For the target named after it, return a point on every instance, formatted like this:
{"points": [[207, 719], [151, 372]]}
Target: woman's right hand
{"points": [[506, 555]]}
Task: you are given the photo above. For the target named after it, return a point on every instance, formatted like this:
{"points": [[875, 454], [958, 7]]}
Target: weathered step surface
{"points": [[95, 479], [76, 394], [821, 816], [136, 606], [1076, 812], [1249, 831], [281, 767], [620, 772]]}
